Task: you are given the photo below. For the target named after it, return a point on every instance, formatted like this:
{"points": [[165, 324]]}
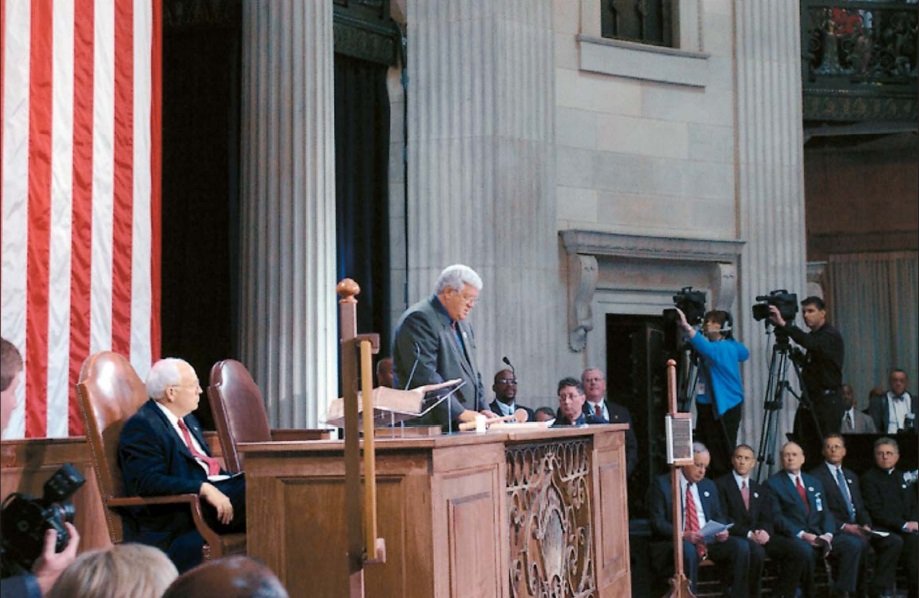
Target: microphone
{"points": [[510, 365], [414, 365]]}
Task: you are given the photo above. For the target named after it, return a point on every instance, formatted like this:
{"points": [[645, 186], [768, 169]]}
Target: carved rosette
{"points": [[551, 539]]}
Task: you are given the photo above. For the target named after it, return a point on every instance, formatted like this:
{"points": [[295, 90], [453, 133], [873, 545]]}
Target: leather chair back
{"points": [[238, 410], [110, 392]]}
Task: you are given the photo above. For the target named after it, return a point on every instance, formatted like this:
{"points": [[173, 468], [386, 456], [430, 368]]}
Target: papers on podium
{"points": [[391, 406], [713, 528]]}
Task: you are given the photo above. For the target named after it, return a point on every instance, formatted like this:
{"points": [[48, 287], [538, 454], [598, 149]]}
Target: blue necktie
{"points": [[844, 488]]}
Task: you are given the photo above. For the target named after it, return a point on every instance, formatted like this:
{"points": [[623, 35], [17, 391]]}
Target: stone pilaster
{"points": [[288, 337], [481, 173]]}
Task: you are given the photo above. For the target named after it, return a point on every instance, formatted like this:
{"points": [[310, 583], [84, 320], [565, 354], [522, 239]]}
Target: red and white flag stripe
{"points": [[80, 104]]}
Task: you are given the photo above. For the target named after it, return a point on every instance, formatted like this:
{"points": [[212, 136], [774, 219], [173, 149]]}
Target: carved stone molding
{"points": [[549, 514], [582, 282]]}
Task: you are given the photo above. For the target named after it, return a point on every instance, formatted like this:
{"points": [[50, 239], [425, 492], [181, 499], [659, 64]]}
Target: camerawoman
{"points": [[821, 371]]}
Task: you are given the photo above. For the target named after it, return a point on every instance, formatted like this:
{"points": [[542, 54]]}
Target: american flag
{"points": [[80, 105]]}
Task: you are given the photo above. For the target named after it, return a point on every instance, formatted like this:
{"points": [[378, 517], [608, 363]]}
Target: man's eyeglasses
{"points": [[506, 381]]}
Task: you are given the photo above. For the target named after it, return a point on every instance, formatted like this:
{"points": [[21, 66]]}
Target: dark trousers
{"points": [[886, 552], [719, 435], [910, 559], [792, 558], [827, 412], [733, 560]]}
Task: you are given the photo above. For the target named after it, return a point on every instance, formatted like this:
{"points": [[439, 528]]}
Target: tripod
{"points": [[773, 401]]}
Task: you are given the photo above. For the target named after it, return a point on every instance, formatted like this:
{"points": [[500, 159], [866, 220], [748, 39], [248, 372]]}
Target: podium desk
{"points": [[504, 513]]}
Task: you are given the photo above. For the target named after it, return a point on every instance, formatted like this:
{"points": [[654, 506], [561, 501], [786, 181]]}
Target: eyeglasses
{"points": [[506, 381]]}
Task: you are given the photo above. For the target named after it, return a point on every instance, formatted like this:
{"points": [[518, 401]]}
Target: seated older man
{"points": [[571, 405], [162, 452]]}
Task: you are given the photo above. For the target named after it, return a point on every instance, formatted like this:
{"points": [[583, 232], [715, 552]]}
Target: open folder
{"points": [[391, 406]]}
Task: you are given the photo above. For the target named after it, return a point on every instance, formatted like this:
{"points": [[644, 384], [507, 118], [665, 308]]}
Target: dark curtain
{"points": [[362, 188]]}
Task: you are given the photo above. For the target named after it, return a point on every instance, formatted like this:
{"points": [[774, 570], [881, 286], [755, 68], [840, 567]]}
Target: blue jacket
{"points": [[791, 518], [721, 360]]}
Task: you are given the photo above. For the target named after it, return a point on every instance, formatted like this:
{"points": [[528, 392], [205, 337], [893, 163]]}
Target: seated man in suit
{"points": [[505, 402], [749, 506], [896, 409], [844, 501], [802, 515], [699, 497], [853, 420], [571, 405], [162, 452], [892, 504], [593, 381]]}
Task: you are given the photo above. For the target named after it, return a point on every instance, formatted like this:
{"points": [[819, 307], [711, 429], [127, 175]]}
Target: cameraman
{"points": [[50, 564], [719, 403], [821, 372]]}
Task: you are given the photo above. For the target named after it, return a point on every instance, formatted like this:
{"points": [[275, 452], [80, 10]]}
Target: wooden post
{"points": [[679, 584]]}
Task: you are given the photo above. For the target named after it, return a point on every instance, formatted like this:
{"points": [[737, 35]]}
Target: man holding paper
{"points": [[703, 534]]}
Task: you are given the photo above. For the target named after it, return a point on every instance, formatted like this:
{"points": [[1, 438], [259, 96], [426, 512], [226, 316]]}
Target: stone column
{"points": [[481, 173], [288, 335], [770, 180]]}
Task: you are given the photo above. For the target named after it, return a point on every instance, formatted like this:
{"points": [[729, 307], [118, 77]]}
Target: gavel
{"points": [[520, 416]]}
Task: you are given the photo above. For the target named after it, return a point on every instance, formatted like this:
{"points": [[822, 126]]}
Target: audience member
{"points": [[505, 402], [802, 516], [822, 410], [719, 393], [544, 414], [230, 577], [853, 420], [571, 405], [598, 404], [748, 504], [896, 409], [434, 343], [892, 504], [844, 502], [163, 452], [122, 571], [384, 372], [701, 504], [50, 563]]}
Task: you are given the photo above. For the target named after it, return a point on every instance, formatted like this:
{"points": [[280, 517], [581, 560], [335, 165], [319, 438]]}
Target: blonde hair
{"points": [[123, 571]]}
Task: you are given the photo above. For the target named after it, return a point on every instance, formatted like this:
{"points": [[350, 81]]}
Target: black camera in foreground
{"points": [[24, 519], [785, 302], [691, 302]]}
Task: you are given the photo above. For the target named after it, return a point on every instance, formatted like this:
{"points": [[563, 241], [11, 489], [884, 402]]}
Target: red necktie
{"points": [[692, 518], [213, 466], [598, 410], [802, 493], [745, 494]]}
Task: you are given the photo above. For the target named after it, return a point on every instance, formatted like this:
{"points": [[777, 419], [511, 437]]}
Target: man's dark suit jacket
{"points": [[493, 407], [427, 327], [791, 518], [878, 409], [620, 415], [835, 501], [759, 516], [661, 507], [889, 499], [155, 462]]}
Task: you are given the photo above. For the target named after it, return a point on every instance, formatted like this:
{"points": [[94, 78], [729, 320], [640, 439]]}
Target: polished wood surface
{"points": [[459, 514]]}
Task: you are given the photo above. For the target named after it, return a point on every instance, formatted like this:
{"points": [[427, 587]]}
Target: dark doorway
{"points": [[636, 379], [201, 58]]}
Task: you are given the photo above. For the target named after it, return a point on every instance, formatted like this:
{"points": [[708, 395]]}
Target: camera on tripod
{"points": [[24, 519], [691, 303], [785, 302]]}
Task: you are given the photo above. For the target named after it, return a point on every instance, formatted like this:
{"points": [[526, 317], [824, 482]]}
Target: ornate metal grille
{"points": [[551, 539]]}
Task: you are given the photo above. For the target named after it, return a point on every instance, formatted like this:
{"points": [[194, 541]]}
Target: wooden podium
{"points": [[504, 513]]}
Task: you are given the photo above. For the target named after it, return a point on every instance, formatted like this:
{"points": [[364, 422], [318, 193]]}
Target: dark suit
{"points": [[891, 502], [425, 335], [155, 461], [887, 550], [494, 408], [732, 556], [620, 415], [759, 516], [879, 410], [791, 519]]}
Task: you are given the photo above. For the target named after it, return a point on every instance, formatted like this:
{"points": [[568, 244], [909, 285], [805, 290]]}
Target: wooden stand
{"points": [[679, 584]]}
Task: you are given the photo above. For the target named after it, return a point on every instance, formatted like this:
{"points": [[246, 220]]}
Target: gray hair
{"points": [[163, 374], [455, 277], [698, 448]]}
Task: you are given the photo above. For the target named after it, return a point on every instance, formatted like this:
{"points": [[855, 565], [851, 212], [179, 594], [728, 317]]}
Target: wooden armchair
{"points": [[239, 413], [110, 392]]}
